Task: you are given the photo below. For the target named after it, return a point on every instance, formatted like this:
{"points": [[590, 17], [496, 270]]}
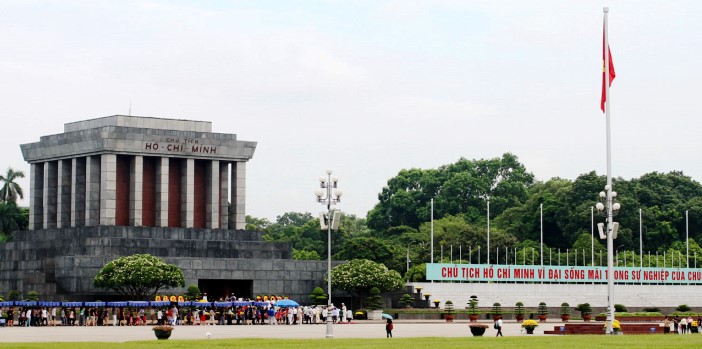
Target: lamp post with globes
{"points": [[609, 208], [325, 197]]}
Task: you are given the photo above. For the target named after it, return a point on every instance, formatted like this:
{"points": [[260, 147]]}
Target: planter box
{"points": [[375, 314]]}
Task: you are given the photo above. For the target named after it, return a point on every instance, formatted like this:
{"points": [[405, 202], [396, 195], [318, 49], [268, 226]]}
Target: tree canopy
{"points": [[11, 190], [358, 276], [139, 276]]}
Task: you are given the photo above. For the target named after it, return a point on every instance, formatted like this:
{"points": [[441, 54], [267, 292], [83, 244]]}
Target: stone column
{"points": [[92, 190], [36, 196], [237, 218], [212, 195], [162, 192], [78, 192], [188, 193], [63, 197], [108, 188], [223, 195], [136, 187], [50, 193]]}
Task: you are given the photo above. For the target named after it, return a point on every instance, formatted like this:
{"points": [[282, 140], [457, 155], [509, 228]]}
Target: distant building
{"points": [[120, 185]]}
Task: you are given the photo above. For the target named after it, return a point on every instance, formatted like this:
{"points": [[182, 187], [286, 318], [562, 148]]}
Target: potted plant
{"points": [[496, 311], [477, 329], [419, 289], [162, 331], [473, 311], [519, 311], [616, 327], [426, 296], [529, 326], [436, 303], [542, 311], [406, 300], [375, 304], [585, 311], [565, 312], [448, 307]]}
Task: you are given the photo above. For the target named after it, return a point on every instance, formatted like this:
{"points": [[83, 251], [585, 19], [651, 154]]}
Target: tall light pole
{"points": [[541, 252], [408, 260], [488, 230], [640, 240], [325, 197], [432, 230], [687, 242], [592, 232]]}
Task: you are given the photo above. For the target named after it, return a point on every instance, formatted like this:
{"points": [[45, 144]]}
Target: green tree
{"points": [[193, 293], [11, 217], [360, 275], [32, 296], [372, 249], [10, 190], [138, 276], [318, 296], [304, 255]]}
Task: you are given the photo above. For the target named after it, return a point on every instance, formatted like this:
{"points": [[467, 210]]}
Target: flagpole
{"points": [[610, 241]]}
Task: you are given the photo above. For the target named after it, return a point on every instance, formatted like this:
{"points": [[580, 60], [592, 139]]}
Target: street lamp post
{"points": [[541, 250], [325, 197], [488, 230], [408, 259]]}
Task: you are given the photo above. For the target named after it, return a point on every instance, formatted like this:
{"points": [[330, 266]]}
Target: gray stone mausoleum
{"points": [[120, 185]]}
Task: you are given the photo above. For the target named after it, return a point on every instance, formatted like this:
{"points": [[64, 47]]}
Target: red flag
{"points": [[612, 75]]}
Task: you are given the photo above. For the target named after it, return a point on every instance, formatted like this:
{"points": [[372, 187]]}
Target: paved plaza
{"points": [[360, 329]]}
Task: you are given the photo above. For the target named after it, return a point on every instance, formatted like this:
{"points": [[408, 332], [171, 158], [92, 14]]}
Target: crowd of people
{"points": [[173, 315], [681, 325]]}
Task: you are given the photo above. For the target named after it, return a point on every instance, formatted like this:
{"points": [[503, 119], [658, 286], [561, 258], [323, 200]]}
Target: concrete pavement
{"points": [[357, 329]]}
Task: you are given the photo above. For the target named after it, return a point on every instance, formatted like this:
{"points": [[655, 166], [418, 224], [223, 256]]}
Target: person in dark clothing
{"points": [[388, 328]]}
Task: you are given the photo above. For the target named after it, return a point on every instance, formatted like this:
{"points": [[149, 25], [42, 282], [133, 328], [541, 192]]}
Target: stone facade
{"points": [[121, 185], [61, 263]]}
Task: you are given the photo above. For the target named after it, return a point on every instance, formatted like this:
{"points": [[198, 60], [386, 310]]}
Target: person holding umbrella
{"points": [[388, 325]]}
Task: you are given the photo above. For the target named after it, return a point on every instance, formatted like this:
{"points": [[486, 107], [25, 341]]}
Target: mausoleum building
{"points": [[121, 185]]}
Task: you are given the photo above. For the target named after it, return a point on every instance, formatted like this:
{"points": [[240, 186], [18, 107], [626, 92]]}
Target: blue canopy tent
{"points": [[262, 304], [94, 304], [49, 304], [223, 304], [286, 303], [25, 304], [7, 304], [241, 303], [201, 304], [71, 304], [160, 303], [116, 304], [185, 304], [138, 303]]}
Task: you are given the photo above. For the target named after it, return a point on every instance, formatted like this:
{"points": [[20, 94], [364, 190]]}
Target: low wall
{"points": [[634, 297]]}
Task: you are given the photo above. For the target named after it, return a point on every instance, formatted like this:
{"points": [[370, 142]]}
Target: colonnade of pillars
{"points": [[136, 190]]}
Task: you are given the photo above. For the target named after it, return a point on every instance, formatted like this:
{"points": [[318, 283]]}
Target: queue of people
{"points": [[253, 314]]}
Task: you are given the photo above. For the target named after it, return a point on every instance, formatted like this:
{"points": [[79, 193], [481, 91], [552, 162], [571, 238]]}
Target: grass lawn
{"points": [[633, 341]]}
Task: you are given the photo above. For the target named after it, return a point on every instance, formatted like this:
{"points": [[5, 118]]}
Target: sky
{"points": [[365, 88]]}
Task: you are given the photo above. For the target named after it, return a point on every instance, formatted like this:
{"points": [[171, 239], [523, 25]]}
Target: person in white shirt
{"points": [[498, 326]]}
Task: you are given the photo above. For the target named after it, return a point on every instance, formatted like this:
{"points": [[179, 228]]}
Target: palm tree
{"points": [[11, 190], [10, 217]]}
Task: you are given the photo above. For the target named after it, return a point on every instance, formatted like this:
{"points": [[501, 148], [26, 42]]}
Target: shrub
{"points": [[448, 307], [619, 308], [193, 293], [13, 295], [683, 308], [496, 309], [584, 309], [374, 301], [406, 300], [652, 310], [32, 296], [543, 309], [473, 306], [519, 309], [318, 296], [565, 308]]}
